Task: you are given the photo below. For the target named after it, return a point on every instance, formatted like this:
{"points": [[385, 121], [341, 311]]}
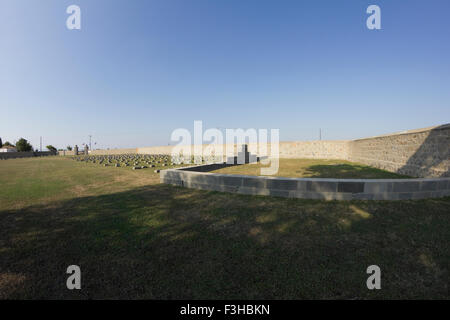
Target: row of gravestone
{"points": [[135, 161], [143, 161]]}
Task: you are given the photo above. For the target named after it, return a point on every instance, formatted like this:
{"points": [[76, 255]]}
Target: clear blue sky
{"points": [[137, 70]]}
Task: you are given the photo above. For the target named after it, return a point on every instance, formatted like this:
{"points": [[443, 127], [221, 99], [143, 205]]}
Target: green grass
{"points": [[315, 168], [136, 238]]}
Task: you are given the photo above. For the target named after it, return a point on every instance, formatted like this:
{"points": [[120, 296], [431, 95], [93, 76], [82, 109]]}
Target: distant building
{"points": [[8, 149]]}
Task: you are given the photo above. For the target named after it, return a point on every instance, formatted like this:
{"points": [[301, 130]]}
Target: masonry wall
{"points": [[155, 150], [315, 149], [168, 149], [100, 152], [113, 151], [420, 153], [296, 149], [14, 155], [66, 153]]}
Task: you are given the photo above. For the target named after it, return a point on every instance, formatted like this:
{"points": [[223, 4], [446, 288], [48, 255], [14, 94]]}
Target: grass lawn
{"points": [[316, 168], [136, 238]]}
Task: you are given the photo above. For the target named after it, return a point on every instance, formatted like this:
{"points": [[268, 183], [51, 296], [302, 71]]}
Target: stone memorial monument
{"points": [[243, 157]]}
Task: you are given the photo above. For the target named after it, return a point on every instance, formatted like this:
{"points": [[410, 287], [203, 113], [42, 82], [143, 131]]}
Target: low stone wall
{"points": [[308, 188], [14, 155], [66, 153]]}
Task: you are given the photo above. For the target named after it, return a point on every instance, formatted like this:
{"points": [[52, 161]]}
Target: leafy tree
{"points": [[51, 148], [23, 145], [8, 144], [69, 148], [0, 142]]}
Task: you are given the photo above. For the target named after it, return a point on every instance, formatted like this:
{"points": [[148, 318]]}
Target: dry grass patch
{"points": [[315, 168]]}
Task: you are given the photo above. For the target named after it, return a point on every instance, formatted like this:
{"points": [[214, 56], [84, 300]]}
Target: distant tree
{"points": [[23, 145], [0, 142], [69, 148], [8, 144], [51, 148]]}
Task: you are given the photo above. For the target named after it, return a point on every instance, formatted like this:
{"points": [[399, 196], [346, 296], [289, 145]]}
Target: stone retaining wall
{"points": [[308, 188]]}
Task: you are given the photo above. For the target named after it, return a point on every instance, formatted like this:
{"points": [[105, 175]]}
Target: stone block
{"points": [[321, 186], [405, 195], [407, 186], [443, 184], [279, 193], [362, 196], [254, 191], [281, 184], [252, 182], [428, 185], [302, 185], [352, 187], [231, 180], [421, 195], [377, 186]]}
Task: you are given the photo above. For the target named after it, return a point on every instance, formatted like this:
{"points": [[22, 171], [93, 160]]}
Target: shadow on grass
{"points": [[349, 171], [164, 242]]}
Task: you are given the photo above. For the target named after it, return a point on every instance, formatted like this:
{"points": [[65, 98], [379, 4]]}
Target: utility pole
{"points": [[320, 133], [41, 143], [90, 142]]}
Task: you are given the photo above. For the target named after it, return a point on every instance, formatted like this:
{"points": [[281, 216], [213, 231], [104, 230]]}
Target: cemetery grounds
{"points": [[135, 238]]}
